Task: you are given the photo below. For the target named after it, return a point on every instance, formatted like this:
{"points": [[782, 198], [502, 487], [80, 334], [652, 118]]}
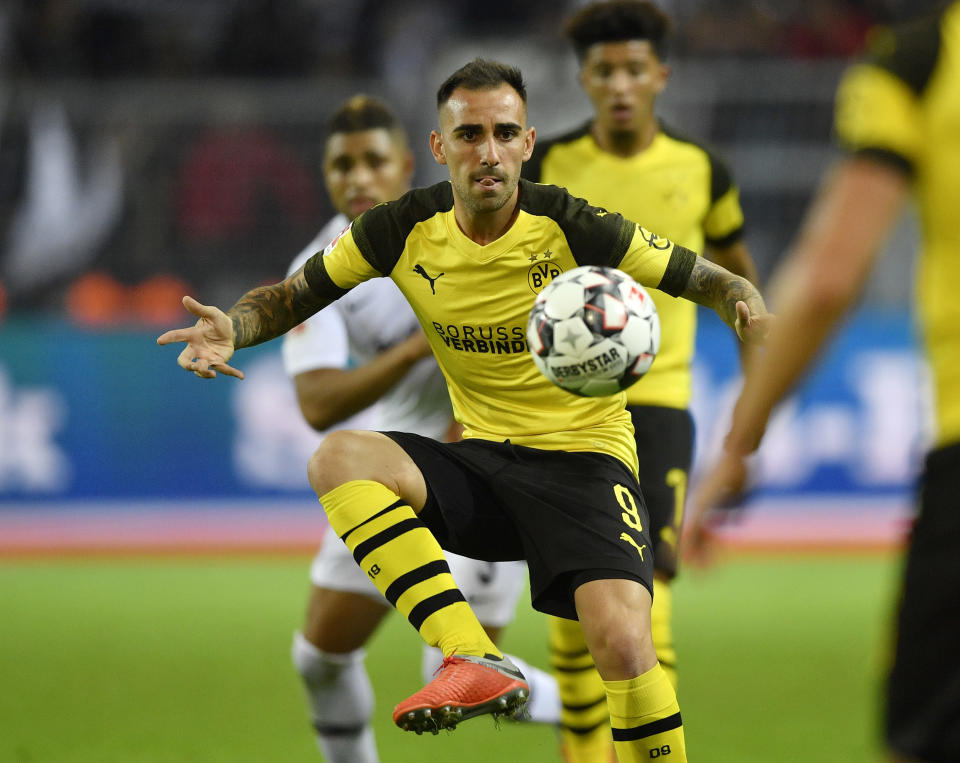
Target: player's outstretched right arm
{"points": [[270, 311], [261, 314]]}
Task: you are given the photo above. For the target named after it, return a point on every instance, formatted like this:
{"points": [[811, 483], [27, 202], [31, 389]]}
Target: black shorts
{"points": [[665, 451], [573, 517], [923, 690]]}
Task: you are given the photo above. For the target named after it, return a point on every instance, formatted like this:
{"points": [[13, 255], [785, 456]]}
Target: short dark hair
{"points": [[617, 21], [362, 112], [481, 74]]}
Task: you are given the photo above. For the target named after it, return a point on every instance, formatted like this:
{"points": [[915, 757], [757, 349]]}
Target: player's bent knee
{"points": [[342, 456], [348, 455], [623, 654]]}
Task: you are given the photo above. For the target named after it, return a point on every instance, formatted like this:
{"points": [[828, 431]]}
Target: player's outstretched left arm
{"points": [[261, 314], [735, 299], [814, 287]]}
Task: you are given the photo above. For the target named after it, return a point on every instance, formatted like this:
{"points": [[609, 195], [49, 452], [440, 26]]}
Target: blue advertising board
{"points": [[856, 426], [108, 415]]}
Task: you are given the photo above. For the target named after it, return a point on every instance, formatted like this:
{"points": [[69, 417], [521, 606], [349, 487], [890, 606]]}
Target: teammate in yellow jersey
{"points": [[626, 159], [541, 475], [898, 113]]}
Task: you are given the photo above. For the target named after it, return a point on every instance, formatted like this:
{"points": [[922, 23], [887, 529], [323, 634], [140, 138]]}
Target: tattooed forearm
{"points": [[269, 311], [712, 286]]}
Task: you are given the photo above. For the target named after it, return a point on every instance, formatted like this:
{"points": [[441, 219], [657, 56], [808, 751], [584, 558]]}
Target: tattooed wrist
{"points": [[740, 290], [270, 311], [712, 286]]}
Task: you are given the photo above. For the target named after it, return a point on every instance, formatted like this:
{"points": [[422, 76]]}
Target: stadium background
{"points": [[153, 149]]}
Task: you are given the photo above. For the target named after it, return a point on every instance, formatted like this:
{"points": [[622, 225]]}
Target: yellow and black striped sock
{"points": [[645, 718], [407, 565], [661, 628], [584, 718]]}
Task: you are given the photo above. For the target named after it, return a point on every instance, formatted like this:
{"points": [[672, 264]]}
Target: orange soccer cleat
{"points": [[464, 687]]}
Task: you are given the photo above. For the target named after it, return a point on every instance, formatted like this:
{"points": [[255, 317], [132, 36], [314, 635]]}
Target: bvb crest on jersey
{"points": [[542, 271]]}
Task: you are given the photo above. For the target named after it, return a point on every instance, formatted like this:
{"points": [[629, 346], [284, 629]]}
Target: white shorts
{"points": [[492, 588]]}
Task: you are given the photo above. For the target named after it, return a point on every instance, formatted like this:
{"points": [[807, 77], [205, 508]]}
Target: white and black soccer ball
{"points": [[593, 331]]}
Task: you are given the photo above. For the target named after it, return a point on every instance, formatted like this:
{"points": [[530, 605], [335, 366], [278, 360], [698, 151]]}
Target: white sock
{"points": [[341, 701], [543, 706], [544, 703], [431, 659]]}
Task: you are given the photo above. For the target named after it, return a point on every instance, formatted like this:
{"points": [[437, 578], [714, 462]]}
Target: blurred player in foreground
{"points": [[899, 115], [541, 475], [367, 161], [627, 160]]}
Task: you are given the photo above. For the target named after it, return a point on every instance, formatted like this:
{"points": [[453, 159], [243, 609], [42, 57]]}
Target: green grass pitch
{"points": [[170, 659]]}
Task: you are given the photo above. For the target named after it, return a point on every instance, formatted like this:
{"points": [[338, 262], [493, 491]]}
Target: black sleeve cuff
{"points": [[677, 275], [890, 158], [319, 281]]}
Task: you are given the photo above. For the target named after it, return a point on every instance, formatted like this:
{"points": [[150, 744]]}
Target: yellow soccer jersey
{"points": [[473, 302], [674, 187], [902, 106]]}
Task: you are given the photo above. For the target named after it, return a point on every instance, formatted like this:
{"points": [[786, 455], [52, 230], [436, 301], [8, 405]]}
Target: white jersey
{"points": [[369, 319]]}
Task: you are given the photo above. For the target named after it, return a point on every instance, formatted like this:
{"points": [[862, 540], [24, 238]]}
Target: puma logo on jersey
{"points": [[632, 542], [419, 269]]}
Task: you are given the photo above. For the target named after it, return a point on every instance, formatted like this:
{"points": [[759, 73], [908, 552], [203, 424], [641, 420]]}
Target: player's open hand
{"points": [[709, 507], [752, 328], [209, 341]]}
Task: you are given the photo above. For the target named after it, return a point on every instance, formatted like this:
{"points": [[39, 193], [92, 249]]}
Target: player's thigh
{"points": [[348, 454], [581, 517], [664, 438], [462, 507]]}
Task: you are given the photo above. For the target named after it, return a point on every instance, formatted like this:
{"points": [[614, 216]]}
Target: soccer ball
{"points": [[593, 331]]}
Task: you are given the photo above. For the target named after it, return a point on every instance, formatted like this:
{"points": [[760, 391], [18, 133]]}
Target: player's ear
{"points": [[436, 147], [529, 139], [662, 77]]}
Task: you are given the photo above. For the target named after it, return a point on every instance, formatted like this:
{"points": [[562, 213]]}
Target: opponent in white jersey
{"points": [[366, 356], [354, 331]]}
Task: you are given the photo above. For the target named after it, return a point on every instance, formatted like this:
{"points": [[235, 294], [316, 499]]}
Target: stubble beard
{"points": [[485, 204]]}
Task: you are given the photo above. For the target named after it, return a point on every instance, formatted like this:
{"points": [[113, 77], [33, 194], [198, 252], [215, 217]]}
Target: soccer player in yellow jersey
{"points": [[367, 160], [541, 475], [898, 113], [625, 159]]}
